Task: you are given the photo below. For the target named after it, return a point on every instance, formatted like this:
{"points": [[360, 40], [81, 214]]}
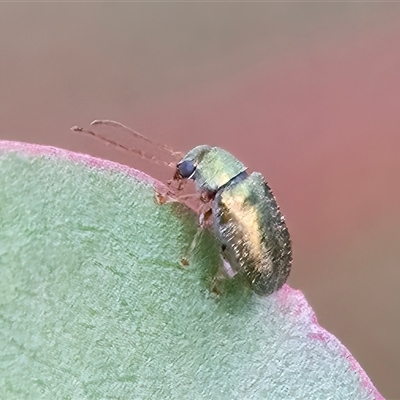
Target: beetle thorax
{"points": [[216, 168]]}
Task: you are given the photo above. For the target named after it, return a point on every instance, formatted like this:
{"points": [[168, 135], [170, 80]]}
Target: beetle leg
{"points": [[193, 244], [205, 216], [163, 198], [225, 271], [204, 220], [227, 267]]}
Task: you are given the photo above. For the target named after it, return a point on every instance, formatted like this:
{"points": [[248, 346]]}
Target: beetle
{"points": [[245, 217]]}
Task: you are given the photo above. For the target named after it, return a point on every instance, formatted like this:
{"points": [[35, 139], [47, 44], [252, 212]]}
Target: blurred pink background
{"points": [[306, 93]]}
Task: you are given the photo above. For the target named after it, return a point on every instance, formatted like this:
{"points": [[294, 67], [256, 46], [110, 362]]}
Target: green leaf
{"points": [[95, 303]]}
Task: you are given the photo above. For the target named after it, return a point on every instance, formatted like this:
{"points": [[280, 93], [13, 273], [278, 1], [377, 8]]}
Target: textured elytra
{"points": [[256, 240]]}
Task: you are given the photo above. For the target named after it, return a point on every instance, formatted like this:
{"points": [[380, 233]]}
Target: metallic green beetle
{"points": [[251, 230], [247, 221]]}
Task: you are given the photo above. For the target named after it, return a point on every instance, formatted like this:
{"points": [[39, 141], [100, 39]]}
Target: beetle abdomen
{"points": [[253, 233]]}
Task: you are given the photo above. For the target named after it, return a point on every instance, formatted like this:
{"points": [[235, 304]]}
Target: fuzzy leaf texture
{"points": [[95, 304]]}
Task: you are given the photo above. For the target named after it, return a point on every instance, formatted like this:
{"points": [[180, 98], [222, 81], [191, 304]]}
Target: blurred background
{"points": [[306, 93]]}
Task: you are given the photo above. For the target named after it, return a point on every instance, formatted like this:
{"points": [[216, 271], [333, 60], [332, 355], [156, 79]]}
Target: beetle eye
{"points": [[186, 168]]}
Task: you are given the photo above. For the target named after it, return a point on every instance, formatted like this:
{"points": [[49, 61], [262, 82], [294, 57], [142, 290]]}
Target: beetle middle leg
{"points": [[204, 221]]}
